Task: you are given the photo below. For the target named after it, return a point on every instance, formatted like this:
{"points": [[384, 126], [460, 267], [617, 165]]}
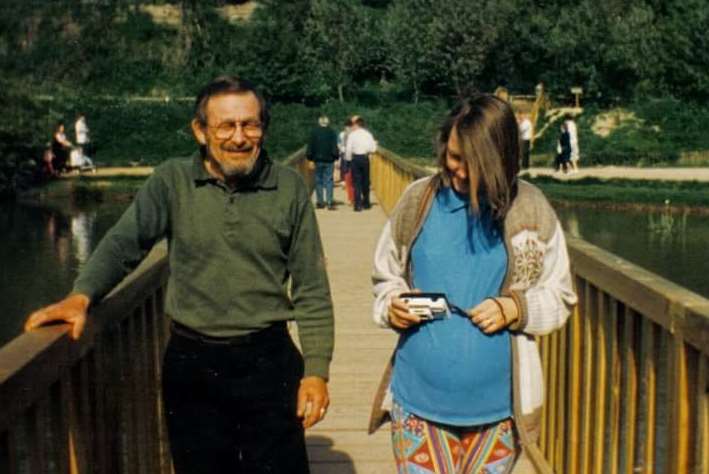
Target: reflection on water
{"points": [[81, 231], [43, 249], [673, 245], [71, 235]]}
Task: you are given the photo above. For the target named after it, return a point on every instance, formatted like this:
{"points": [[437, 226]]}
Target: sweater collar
{"points": [[263, 176], [451, 201]]}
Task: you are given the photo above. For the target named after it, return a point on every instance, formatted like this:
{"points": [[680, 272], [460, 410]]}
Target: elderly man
{"points": [[360, 144], [237, 392], [322, 150]]}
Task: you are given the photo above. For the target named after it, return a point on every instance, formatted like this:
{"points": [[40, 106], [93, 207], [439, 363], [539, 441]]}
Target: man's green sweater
{"points": [[231, 253]]}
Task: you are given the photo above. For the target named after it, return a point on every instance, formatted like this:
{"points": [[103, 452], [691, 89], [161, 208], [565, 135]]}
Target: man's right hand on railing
{"points": [[71, 310]]}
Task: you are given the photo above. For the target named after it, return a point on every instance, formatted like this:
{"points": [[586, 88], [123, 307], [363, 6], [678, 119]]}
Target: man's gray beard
{"points": [[232, 170]]}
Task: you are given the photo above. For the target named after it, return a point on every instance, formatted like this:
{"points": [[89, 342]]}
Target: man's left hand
{"points": [[313, 400]]}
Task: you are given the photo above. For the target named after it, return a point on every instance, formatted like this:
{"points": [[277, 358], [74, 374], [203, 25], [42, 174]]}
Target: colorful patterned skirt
{"points": [[425, 447]]}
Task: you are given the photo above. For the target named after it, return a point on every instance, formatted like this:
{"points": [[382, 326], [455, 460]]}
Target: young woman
{"points": [[465, 392]]}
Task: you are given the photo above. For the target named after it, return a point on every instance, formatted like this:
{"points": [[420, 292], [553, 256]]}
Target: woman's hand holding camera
{"points": [[494, 314], [399, 316]]}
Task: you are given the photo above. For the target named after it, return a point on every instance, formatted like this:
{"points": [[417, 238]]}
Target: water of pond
{"points": [[44, 247], [671, 245], [42, 251]]}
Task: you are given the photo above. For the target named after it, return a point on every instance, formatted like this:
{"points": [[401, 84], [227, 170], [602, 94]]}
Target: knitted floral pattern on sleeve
{"points": [[528, 259]]}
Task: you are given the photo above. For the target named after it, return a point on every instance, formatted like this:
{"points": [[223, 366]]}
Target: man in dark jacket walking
{"points": [[322, 150]]}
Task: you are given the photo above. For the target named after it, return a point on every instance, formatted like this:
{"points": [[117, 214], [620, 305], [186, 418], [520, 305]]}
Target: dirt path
{"points": [[605, 172], [110, 172], [627, 172]]}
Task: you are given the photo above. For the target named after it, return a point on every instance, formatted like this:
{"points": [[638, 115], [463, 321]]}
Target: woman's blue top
{"points": [[448, 370]]}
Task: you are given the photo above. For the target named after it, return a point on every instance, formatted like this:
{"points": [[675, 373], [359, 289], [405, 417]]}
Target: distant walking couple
{"points": [[353, 147], [567, 147]]}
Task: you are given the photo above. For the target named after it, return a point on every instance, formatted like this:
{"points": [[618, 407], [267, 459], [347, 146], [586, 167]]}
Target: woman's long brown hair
{"points": [[487, 131]]}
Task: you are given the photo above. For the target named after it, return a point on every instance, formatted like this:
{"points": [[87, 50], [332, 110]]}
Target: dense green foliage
{"points": [[322, 49], [379, 54]]}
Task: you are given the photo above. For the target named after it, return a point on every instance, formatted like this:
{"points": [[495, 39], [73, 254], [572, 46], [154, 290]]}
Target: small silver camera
{"points": [[426, 305]]}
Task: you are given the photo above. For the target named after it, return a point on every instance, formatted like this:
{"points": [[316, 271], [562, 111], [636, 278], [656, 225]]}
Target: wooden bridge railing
{"points": [[91, 405], [298, 162], [626, 379]]}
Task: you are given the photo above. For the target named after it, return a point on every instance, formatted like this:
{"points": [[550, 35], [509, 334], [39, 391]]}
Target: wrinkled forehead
{"points": [[233, 106]]}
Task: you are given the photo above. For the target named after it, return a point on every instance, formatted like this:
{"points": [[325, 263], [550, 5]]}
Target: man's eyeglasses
{"points": [[225, 130]]}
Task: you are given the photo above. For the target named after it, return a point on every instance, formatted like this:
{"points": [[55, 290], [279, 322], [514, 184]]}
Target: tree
{"points": [[409, 34], [332, 46], [685, 48], [269, 52], [519, 56], [464, 34]]}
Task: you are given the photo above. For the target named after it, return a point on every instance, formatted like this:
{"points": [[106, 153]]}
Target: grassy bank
{"points": [[614, 192], [82, 192]]}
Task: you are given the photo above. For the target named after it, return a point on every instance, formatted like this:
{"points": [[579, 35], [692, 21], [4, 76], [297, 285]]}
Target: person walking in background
{"points": [[360, 144], [83, 142], [81, 130], [237, 393], [574, 154], [345, 165], [525, 132], [563, 150], [61, 147], [465, 390], [322, 150]]}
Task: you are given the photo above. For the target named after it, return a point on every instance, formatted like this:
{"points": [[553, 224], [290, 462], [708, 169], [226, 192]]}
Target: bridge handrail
{"points": [[631, 326], [90, 404], [298, 162]]}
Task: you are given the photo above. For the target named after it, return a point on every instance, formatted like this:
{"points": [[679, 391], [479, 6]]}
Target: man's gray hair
{"points": [[229, 85]]}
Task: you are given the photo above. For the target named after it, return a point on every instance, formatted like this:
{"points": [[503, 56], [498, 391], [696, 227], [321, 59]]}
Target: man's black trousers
{"points": [[231, 406], [360, 180]]}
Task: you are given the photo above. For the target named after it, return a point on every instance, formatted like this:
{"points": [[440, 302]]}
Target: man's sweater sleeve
{"points": [[310, 291], [127, 242]]}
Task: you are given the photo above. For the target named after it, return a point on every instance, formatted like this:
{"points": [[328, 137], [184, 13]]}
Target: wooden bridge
{"points": [[626, 379]]}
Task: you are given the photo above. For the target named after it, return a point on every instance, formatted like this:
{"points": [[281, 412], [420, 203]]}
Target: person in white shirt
{"points": [[525, 133], [83, 142], [574, 139], [81, 130], [360, 143]]}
